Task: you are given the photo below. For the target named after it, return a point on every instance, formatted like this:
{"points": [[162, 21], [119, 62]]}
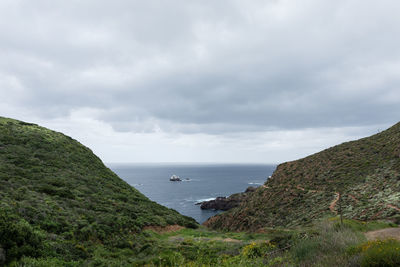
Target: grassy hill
{"points": [[366, 173], [59, 200], [60, 206]]}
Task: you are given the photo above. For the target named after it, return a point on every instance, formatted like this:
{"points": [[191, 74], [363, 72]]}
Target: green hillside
{"points": [[60, 206], [365, 172], [58, 198]]}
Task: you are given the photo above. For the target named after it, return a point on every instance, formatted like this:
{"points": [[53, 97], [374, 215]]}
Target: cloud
{"points": [[158, 146], [203, 68]]}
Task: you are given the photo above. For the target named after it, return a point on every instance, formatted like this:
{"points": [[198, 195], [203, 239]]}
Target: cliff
{"points": [[366, 173]]}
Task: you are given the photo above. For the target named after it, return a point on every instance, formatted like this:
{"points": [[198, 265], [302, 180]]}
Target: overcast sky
{"points": [[202, 81]]}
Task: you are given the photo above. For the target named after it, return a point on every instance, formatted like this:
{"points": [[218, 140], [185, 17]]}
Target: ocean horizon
{"points": [[200, 182]]}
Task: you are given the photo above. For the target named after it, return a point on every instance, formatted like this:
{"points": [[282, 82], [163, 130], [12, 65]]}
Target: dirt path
{"points": [[383, 234], [393, 207], [166, 229], [333, 203]]}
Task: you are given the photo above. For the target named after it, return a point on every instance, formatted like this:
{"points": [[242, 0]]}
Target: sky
{"points": [[202, 81]]}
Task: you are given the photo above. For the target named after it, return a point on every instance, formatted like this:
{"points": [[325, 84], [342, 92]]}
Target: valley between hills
{"points": [[61, 206]]}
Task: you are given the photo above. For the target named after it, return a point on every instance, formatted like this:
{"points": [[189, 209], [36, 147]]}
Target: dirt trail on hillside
{"points": [[393, 207], [333, 203], [165, 229], [384, 234]]}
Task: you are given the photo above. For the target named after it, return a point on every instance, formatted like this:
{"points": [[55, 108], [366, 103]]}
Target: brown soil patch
{"points": [[299, 187], [210, 221], [166, 229], [333, 203], [393, 207], [384, 234]]}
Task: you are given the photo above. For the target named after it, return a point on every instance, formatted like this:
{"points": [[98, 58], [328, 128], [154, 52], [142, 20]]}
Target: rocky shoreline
{"points": [[226, 203]]}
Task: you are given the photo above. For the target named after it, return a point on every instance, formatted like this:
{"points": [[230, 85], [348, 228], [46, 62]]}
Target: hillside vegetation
{"points": [[366, 173], [60, 206], [58, 198]]}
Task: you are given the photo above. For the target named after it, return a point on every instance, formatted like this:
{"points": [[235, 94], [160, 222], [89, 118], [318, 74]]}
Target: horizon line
{"points": [[192, 162]]}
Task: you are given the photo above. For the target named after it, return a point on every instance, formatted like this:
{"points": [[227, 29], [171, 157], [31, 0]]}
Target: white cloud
{"points": [[191, 81]]}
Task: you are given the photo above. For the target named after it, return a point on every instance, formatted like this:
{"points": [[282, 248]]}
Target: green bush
{"points": [[169, 258], [306, 249], [362, 226], [257, 250], [327, 243], [380, 253], [18, 238], [46, 262]]}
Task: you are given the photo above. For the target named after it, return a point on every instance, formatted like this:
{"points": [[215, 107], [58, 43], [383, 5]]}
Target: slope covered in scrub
{"points": [[366, 173], [57, 197]]}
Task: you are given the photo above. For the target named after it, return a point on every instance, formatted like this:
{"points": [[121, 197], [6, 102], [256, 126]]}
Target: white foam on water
{"points": [[205, 199]]}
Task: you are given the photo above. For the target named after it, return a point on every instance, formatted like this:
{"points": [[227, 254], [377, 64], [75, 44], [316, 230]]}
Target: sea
{"points": [[200, 182]]}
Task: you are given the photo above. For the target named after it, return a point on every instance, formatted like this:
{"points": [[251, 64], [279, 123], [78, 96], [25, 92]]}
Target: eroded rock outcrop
{"points": [[226, 203]]}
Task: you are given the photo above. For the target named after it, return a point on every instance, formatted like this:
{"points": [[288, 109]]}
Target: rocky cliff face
{"points": [[365, 173], [226, 203]]}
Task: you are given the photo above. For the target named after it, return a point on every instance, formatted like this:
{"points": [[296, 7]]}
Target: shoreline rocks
{"points": [[226, 203]]}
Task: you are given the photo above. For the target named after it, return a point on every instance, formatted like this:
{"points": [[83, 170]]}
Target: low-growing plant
{"points": [[379, 253], [19, 238], [326, 241], [44, 262], [305, 250], [257, 250], [362, 226], [169, 258]]}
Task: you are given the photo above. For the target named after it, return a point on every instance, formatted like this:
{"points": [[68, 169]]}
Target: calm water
{"points": [[207, 181]]}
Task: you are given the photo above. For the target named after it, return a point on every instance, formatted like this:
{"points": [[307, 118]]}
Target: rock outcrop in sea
{"points": [[175, 178], [226, 203]]}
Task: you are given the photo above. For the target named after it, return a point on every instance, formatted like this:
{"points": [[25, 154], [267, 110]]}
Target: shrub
{"points": [[46, 262], [329, 242], [256, 250], [305, 249], [361, 225], [169, 258], [380, 253], [18, 238]]}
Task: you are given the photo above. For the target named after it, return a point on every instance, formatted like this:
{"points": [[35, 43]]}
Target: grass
{"points": [[322, 244], [362, 226], [378, 253], [329, 243]]}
